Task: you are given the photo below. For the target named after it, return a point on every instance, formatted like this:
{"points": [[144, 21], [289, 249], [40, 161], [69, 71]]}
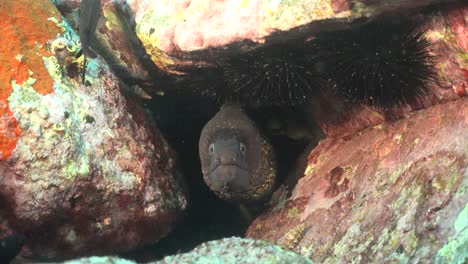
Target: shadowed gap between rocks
{"points": [[181, 119]]}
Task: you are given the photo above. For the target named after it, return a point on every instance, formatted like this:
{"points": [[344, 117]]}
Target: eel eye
{"points": [[211, 148], [242, 148]]}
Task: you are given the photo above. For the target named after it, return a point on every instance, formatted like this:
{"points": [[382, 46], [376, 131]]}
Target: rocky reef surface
{"points": [[228, 250], [83, 170], [393, 192]]}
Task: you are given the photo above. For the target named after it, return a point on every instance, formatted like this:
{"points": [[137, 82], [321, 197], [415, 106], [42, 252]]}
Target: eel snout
{"points": [[228, 168]]}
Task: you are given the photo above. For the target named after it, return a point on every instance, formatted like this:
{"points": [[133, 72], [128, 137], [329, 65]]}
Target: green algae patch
{"points": [[100, 260], [292, 238], [149, 23], [461, 223], [290, 13], [456, 249], [354, 240], [294, 213], [362, 10], [237, 250]]}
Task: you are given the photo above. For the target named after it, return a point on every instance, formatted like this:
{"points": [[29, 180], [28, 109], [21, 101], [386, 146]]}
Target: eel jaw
{"points": [[229, 180]]}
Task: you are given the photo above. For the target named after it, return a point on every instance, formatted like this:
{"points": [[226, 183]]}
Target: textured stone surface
{"points": [[191, 25], [227, 250], [100, 260], [116, 42], [237, 250], [83, 170], [179, 34], [393, 192]]}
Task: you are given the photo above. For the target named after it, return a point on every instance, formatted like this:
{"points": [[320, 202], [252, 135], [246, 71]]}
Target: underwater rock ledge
{"points": [[393, 192], [117, 43], [227, 250], [180, 27], [83, 170]]}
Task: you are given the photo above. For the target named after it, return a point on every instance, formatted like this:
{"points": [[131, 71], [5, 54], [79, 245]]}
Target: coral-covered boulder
{"points": [[227, 250], [393, 192], [183, 26], [116, 42], [83, 170], [237, 250]]}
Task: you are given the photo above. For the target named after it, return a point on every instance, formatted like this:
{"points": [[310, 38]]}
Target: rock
{"points": [[227, 250], [100, 260], [116, 42], [173, 27], [83, 170], [236, 250], [187, 33], [396, 192]]}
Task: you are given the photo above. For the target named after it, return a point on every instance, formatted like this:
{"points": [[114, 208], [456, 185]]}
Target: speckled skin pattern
{"points": [[232, 121], [90, 173]]}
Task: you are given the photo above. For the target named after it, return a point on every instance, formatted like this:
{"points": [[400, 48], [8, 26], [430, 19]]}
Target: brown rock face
{"points": [[394, 191], [83, 170], [116, 42]]}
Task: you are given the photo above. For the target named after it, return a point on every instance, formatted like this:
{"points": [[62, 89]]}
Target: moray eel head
{"points": [[237, 161], [229, 168]]}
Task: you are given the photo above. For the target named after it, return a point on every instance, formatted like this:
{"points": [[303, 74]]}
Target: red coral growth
{"points": [[460, 90], [340, 5], [465, 72], [458, 25], [9, 131], [337, 183], [24, 29]]}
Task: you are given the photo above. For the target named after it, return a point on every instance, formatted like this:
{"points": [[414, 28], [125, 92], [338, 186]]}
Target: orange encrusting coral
{"points": [[24, 31], [21, 73], [9, 130]]}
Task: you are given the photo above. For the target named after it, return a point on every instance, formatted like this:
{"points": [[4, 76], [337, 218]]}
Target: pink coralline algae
{"points": [[83, 170]]}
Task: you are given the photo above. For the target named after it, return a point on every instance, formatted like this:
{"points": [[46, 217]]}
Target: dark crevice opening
{"points": [[180, 118]]}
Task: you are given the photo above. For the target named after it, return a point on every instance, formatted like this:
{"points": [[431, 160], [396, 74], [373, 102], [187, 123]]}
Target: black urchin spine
{"points": [[279, 74], [381, 64]]}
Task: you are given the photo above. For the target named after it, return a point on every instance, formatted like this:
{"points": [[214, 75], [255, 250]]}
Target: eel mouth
{"points": [[229, 178], [228, 166]]}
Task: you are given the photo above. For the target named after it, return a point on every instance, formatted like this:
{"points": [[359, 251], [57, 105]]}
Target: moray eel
{"points": [[238, 162]]}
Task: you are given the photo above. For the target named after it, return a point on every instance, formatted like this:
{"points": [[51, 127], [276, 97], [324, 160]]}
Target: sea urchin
{"points": [[278, 74], [383, 63]]}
